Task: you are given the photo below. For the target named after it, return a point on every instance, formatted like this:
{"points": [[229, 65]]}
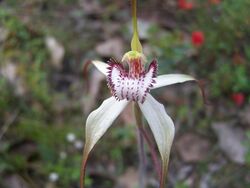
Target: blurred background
{"points": [[46, 91]]}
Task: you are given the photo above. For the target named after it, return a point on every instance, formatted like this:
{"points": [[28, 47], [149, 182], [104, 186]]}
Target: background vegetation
{"points": [[46, 92]]}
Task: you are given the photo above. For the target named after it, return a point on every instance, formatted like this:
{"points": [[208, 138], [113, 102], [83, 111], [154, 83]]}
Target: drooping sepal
{"points": [[162, 128], [97, 124]]}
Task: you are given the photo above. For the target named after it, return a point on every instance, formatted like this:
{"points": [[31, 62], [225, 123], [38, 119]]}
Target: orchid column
{"points": [[133, 86]]}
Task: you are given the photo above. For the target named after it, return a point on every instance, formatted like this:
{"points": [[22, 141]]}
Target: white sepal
{"points": [[101, 66], [97, 124], [169, 79], [101, 119], [162, 128]]}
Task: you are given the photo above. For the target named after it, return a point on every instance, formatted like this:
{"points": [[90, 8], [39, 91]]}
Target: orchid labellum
{"points": [[133, 85]]}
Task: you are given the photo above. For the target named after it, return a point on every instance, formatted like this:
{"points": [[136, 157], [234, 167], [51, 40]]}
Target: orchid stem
{"points": [[141, 148], [142, 160], [152, 152], [134, 16], [135, 43]]}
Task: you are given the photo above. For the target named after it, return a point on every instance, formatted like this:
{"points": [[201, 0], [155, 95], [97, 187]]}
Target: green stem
{"points": [[134, 16], [141, 149], [135, 43], [152, 152], [142, 159]]}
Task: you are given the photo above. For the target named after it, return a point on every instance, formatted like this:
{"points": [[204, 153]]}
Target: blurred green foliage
{"points": [[25, 49], [229, 78], [226, 27], [223, 59], [181, 185]]}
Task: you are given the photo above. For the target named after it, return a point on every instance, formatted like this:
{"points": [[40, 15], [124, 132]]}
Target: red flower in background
{"points": [[198, 38], [238, 98], [183, 4], [215, 2]]}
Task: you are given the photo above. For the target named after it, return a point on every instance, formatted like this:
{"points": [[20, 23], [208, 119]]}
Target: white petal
{"points": [[160, 123], [101, 119], [101, 66], [163, 130], [169, 79], [97, 124]]}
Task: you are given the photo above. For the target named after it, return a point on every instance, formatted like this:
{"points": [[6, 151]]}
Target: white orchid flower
{"points": [[134, 86]]}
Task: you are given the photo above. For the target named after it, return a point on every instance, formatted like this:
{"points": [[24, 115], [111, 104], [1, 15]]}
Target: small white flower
{"points": [[71, 137], [63, 154], [78, 144], [53, 176]]}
